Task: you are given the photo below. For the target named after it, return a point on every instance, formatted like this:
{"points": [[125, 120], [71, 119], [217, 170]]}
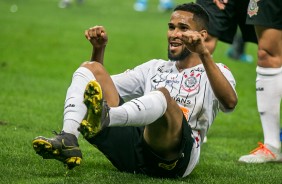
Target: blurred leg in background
{"points": [[164, 5], [237, 49], [67, 3]]}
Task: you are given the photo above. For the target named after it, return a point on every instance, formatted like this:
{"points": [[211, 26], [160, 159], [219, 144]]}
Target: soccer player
{"points": [[67, 3], [266, 15], [151, 119], [225, 18]]}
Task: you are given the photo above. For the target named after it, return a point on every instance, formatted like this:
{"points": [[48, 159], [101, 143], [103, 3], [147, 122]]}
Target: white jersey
{"points": [[190, 88]]}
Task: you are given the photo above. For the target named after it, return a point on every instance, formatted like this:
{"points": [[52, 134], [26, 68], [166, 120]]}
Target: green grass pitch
{"points": [[41, 46]]}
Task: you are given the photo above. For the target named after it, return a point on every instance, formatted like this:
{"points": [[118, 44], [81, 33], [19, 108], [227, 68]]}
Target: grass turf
{"points": [[42, 45]]}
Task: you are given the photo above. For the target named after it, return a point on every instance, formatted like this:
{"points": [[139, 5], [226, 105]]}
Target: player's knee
{"points": [[166, 94], [268, 59], [263, 54], [95, 67], [84, 63], [171, 103]]}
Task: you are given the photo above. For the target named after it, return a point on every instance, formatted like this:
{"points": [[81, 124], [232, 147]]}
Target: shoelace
{"points": [[264, 149], [55, 132]]}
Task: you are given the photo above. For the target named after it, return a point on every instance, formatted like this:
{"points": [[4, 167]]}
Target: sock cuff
{"points": [[268, 71], [161, 97]]}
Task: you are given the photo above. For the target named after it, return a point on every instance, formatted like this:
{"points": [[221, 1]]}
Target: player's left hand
{"points": [[194, 41], [97, 36]]}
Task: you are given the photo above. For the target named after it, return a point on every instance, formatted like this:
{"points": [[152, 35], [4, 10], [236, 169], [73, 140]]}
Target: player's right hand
{"points": [[97, 36], [220, 3]]}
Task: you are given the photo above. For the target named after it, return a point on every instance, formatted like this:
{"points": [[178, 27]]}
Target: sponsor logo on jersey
{"points": [[201, 70], [253, 8], [181, 100], [172, 81], [162, 69], [158, 80]]}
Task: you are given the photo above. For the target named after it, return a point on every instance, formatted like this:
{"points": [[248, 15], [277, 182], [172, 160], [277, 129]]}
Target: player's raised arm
{"points": [[98, 38], [221, 87]]}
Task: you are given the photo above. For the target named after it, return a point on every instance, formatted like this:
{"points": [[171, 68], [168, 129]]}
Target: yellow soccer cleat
{"points": [[97, 116]]}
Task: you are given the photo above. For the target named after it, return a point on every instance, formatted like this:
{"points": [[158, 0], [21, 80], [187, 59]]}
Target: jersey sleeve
{"points": [[229, 76], [131, 83]]}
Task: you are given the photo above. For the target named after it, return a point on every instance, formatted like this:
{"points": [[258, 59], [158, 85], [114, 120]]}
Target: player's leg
{"points": [[166, 5], [64, 3], [269, 93], [75, 109], [140, 5], [237, 50], [110, 93], [222, 23], [64, 146], [164, 135], [98, 95], [246, 33], [168, 148], [156, 110], [270, 62], [269, 48], [160, 115], [74, 112], [136, 112]]}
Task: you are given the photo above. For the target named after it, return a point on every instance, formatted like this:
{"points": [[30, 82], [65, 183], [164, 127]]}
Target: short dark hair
{"points": [[201, 16]]}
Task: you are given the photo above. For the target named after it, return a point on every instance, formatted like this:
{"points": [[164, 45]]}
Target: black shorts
{"points": [[128, 152], [266, 13], [224, 23]]}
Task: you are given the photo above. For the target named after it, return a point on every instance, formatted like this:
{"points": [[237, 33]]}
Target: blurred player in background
{"points": [[224, 23], [237, 50], [164, 5], [266, 16], [67, 3]]}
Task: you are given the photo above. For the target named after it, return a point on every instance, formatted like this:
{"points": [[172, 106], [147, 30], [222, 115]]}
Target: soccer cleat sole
{"points": [[93, 100], [46, 150]]}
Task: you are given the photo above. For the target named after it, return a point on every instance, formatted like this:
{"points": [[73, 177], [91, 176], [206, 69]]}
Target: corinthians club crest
{"points": [[191, 83], [253, 8]]}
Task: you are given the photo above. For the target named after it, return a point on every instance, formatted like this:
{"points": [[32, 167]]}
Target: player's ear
{"points": [[204, 34]]}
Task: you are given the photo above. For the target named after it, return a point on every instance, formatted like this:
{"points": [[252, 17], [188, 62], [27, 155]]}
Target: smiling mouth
{"points": [[174, 45]]}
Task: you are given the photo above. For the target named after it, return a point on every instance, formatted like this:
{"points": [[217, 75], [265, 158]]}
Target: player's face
{"points": [[180, 22]]}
